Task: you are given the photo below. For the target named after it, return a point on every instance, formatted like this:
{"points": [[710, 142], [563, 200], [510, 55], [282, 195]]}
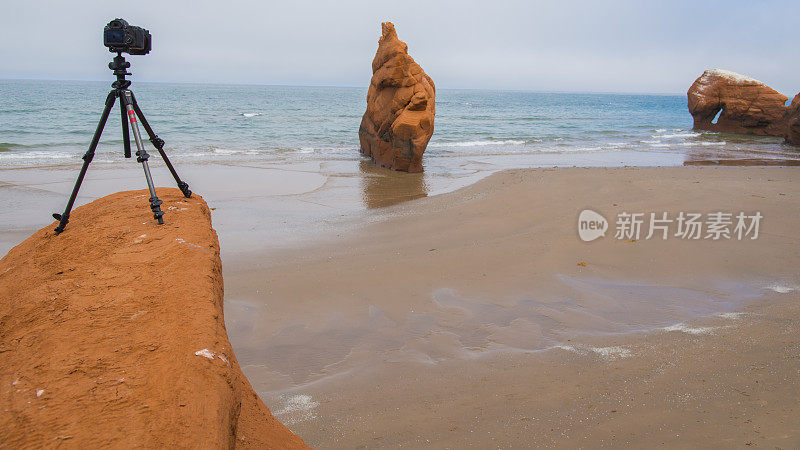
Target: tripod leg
{"points": [[63, 219], [126, 139], [142, 156], [158, 143]]}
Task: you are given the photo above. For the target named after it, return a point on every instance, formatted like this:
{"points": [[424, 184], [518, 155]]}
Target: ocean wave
{"points": [[702, 143], [480, 143], [7, 146], [687, 144], [250, 114], [37, 155], [226, 151], [676, 135], [608, 148]]}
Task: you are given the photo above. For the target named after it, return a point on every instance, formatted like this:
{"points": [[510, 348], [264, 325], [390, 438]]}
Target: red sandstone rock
{"points": [[112, 335], [792, 122], [747, 105], [398, 123]]}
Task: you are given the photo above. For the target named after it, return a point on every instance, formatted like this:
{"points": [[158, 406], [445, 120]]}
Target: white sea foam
{"points": [[38, 155], [251, 114], [683, 328], [611, 353], [781, 288], [607, 353], [732, 315], [476, 143], [705, 144], [568, 348], [298, 408], [676, 135], [660, 130], [223, 151]]}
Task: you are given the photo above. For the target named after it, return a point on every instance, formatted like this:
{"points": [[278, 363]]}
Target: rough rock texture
{"points": [[401, 104], [792, 122], [112, 335], [747, 105]]}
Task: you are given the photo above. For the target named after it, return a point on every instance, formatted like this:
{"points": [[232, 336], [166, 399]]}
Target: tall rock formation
{"points": [[745, 105], [401, 104]]}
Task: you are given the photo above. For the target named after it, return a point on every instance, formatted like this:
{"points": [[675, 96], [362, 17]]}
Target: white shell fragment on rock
{"points": [[206, 353]]}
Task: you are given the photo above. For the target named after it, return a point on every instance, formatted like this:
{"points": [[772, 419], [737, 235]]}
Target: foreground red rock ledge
{"points": [[112, 335], [745, 105], [401, 105]]}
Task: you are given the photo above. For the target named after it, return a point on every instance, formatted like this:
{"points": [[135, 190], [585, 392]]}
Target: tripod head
{"points": [[120, 68]]}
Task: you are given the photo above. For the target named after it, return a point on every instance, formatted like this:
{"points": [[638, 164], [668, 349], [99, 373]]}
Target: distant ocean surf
{"points": [[51, 122]]}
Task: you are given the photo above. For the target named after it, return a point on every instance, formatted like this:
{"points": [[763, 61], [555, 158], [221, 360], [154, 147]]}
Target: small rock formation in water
{"points": [[401, 105], [792, 121], [744, 105]]}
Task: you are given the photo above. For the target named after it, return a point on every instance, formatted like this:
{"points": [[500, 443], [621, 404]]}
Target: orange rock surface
{"points": [[112, 335], [792, 122], [747, 105], [401, 105]]}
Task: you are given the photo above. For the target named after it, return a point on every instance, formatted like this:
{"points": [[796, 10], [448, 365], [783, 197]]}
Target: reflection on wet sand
{"points": [[742, 162], [455, 327], [383, 187]]}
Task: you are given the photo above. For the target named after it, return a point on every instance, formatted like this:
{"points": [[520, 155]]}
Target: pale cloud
{"points": [[618, 46]]}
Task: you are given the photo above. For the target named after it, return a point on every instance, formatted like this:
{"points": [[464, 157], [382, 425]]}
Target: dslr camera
{"points": [[120, 37]]}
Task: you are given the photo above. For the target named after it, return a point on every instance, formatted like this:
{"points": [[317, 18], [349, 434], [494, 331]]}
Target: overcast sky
{"points": [[595, 46]]}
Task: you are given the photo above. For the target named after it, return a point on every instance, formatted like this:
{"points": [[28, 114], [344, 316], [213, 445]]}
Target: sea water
{"points": [[45, 123]]}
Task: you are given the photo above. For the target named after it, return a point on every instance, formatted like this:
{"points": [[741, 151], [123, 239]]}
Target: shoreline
{"points": [[317, 192]]}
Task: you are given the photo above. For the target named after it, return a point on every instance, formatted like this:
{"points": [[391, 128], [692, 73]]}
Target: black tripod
{"points": [[129, 108]]}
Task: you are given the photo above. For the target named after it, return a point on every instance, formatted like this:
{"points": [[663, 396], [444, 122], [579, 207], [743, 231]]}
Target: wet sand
{"points": [[271, 204], [478, 317]]}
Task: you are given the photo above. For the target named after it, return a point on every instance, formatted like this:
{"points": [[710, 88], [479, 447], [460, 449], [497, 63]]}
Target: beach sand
{"points": [[478, 317], [368, 308]]}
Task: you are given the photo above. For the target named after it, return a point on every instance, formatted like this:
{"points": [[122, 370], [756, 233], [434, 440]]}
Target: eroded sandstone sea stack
{"points": [[112, 335], [745, 105], [401, 104]]}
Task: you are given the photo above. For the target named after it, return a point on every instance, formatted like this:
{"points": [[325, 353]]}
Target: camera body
{"points": [[120, 37]]}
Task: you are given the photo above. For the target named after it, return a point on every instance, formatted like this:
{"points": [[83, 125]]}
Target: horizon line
{"points": [[217, 83]]}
